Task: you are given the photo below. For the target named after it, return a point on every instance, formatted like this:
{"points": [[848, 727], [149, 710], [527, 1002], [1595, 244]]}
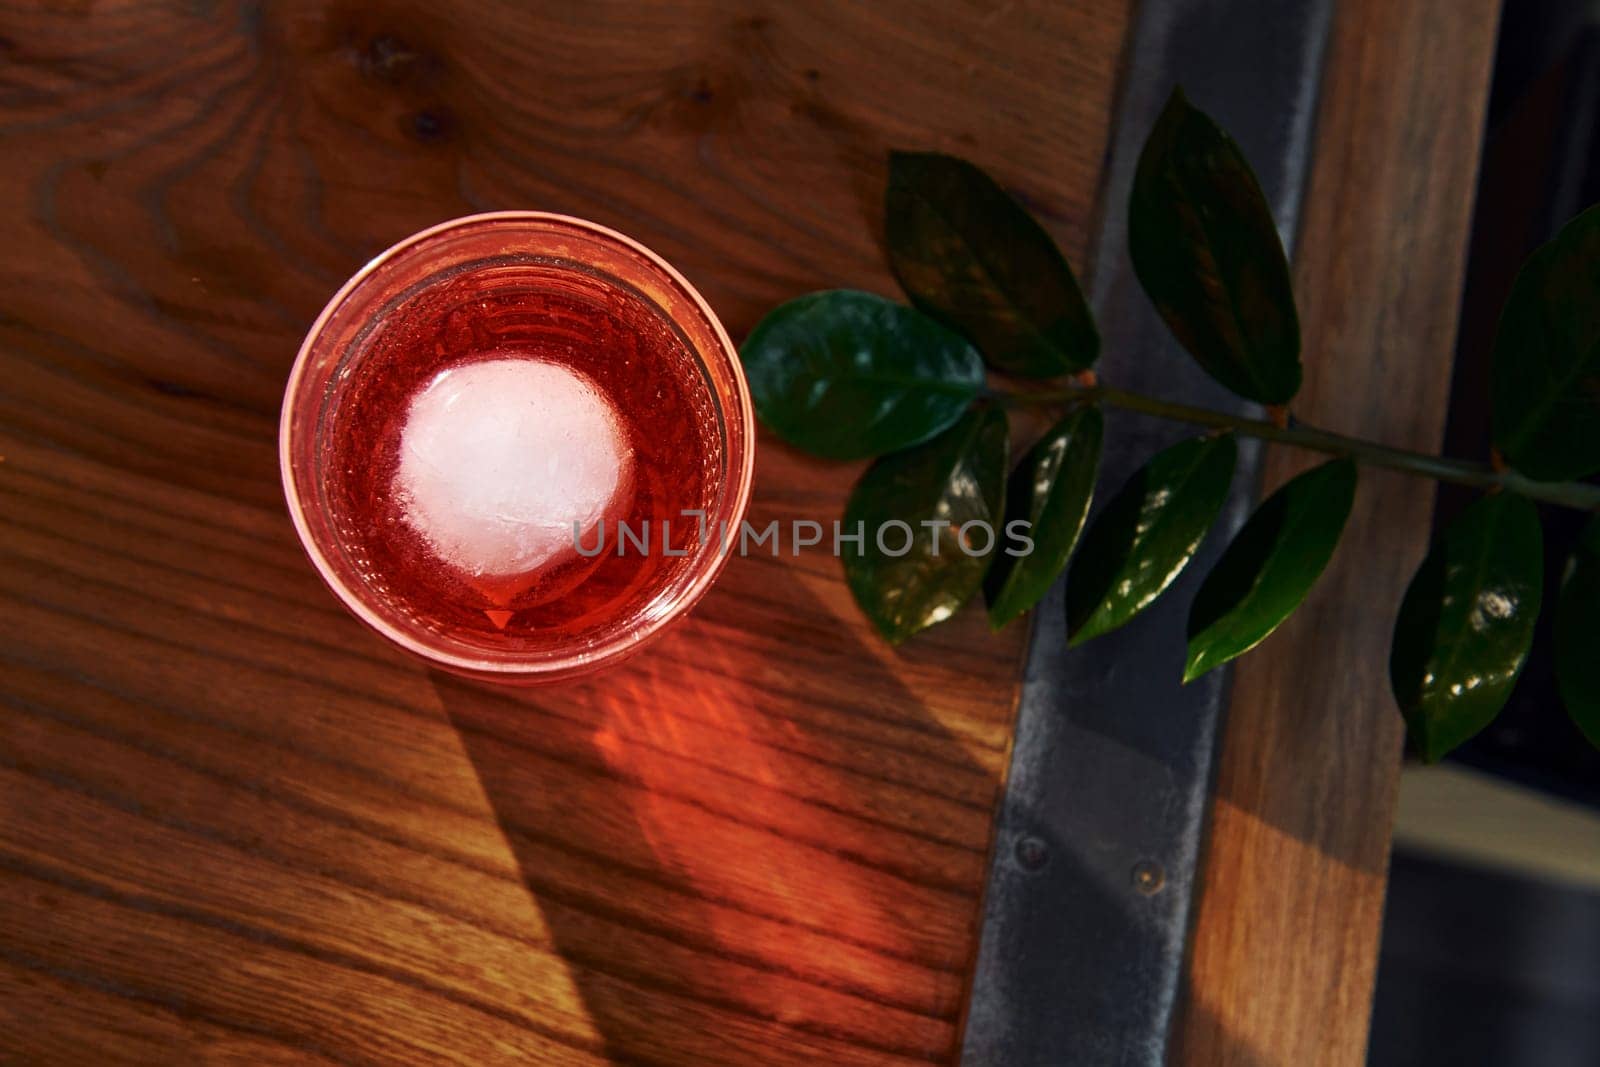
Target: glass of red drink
{"points": [[476, 415]]}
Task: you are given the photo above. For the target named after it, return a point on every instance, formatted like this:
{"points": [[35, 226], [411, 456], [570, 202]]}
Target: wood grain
{"points": [[234, 826], [1285, 945]]}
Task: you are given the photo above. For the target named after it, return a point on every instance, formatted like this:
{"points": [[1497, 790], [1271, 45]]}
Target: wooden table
{"points": [[236, 827]]}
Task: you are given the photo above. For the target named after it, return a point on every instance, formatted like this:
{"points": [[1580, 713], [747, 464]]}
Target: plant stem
{"points": [[1579, 495]]}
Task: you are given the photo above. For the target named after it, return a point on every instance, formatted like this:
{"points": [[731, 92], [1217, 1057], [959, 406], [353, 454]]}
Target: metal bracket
{"points": [[1098, 840]]}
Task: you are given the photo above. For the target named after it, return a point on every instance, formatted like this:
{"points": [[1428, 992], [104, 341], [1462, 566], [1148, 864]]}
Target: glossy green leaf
{"points": [[1050, 490], [1270, 566], [1577, 635], [847, 375], [913, 568], [1147, 534], [1466, 623], [1206, 250], [972, 257], [1546, 377]]}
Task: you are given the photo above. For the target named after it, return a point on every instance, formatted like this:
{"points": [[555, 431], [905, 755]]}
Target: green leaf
{"points": [[1147, 534], [1205, 249], [955, 479], [972, 257], [1577, 636], [847, 375], [1050, 490], [1270, 566], [1466, 623], [1546, 376]]}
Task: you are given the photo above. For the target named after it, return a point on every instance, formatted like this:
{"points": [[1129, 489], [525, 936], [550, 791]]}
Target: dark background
{"points": [[1500, 966]]}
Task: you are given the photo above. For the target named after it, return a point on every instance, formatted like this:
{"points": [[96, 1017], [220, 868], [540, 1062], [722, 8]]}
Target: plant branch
{"points": [[1579, 495]]}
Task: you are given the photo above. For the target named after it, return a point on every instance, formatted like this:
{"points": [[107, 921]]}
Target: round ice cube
{"points": [[498, 460]]}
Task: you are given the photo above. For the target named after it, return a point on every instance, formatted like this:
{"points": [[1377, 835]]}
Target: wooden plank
{"points": [[1475, 819], [1285, 945], [236, 826]]}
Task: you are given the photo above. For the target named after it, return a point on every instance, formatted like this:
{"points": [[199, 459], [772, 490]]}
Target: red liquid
{"points": [[596, 326]]}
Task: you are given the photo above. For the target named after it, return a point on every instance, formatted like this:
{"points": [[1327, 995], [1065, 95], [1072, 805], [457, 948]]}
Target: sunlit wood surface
{"points": [[1285, 942], [237, 828]]}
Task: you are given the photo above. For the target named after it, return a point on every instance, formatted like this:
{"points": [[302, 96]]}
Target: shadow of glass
{"points": [[756, 842]]}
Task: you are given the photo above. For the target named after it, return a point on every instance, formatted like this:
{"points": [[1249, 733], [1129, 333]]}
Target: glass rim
{"points": [[740, 468]]}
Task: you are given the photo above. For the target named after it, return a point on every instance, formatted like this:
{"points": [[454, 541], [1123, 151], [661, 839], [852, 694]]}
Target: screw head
{"points": [[1032, 853], [1149, 877]]}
